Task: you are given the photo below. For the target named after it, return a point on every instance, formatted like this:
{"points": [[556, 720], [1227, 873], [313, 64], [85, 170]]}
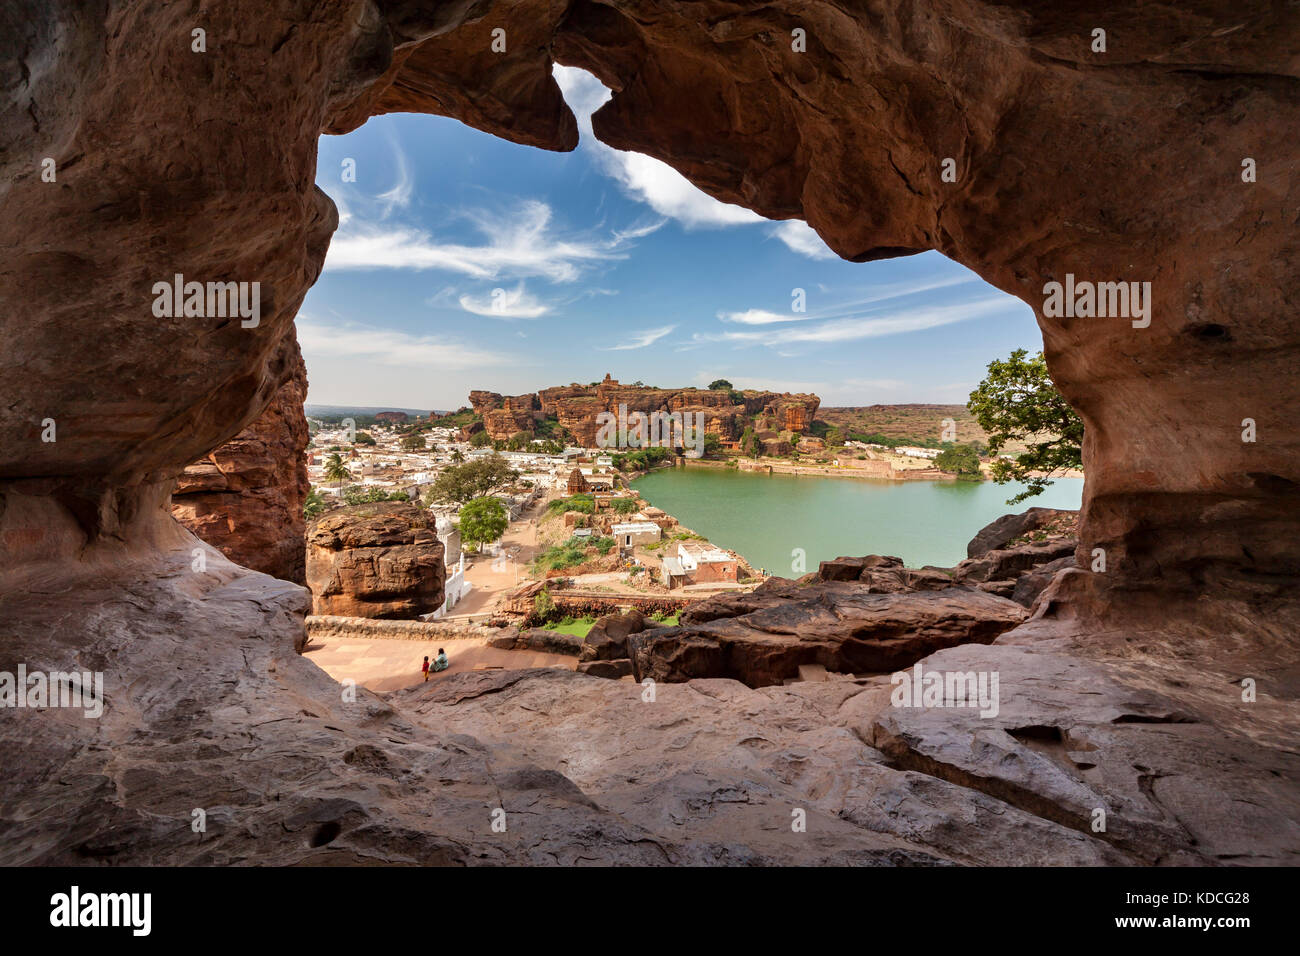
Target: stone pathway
{"points": [[382, 665]]}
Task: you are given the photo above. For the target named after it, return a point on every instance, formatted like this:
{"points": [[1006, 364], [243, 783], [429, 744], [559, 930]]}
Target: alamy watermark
{"points": [[79, 690], [655, 430], [918, 688], [1084, 299], [211, 300]]}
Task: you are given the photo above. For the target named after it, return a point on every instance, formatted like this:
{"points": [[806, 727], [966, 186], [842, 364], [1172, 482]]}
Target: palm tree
{"points": [[457, 455], [335, 469]]}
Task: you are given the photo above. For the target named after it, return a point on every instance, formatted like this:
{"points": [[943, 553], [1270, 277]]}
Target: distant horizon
{"points": [[332, 408]]}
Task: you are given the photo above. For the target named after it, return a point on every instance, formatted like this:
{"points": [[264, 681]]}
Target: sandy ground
{"points": [[382, 665], [492, 577]]}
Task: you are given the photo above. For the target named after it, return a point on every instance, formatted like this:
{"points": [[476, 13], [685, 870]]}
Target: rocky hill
{"points": [[577, 408]]}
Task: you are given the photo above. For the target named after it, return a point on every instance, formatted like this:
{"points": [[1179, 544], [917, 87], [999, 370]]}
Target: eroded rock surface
{"points": [[246, 497], [762, 637], [377, 560]]}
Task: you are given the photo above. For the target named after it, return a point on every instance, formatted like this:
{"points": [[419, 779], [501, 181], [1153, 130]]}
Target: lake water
{"points": [[765, 517]]}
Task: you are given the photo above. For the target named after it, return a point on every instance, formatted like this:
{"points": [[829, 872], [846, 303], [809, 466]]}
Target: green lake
{"points": [[765, 518]]}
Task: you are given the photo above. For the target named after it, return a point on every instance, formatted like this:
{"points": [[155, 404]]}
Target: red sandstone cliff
{"points": [[577, 408], [246, 496]]}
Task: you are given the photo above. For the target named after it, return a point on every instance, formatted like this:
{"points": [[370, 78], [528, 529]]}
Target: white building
{"points": [[630, 533]]}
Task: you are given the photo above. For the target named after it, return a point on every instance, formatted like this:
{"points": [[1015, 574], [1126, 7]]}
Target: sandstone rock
{"points": [[552, 642], [884, 574], [1010, 563], [246, 498], [614, 669], [378, 560], [998, 534], [1031, 584], [762, 637], [607, 638]]}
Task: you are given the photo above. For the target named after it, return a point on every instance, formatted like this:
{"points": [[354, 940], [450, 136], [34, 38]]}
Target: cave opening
{"points": [[1193, 462]]}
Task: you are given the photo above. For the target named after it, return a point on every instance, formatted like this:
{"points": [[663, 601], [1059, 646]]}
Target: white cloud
{"points": [[640, 340], [803, 239], [850, 309], [764, 317], [521, 243], [650, 180], [399, 196], [861, 327], [513, 303], [367, 344]]}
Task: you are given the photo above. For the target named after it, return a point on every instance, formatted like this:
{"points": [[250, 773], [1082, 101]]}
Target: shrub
{"points": [[543, 605]]}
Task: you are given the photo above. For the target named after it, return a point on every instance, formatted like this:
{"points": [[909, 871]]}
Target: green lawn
{"points": [[578, 628]]}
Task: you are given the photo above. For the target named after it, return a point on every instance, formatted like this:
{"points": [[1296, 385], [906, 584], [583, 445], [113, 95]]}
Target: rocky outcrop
{"points": [[884, 574], [763, 637], [577, 408], [246, 498], [607, 639], [504, 416], [1041, 523], [379, 560], [1017, 556]]}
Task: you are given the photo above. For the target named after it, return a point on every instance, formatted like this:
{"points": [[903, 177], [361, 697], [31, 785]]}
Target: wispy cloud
{"points": [[390, 347], [897, 322], [851, 308], [521, 243], [399, 196], [653, 182], [513, 303], [803, 239], [640, 340], [764, 317]]}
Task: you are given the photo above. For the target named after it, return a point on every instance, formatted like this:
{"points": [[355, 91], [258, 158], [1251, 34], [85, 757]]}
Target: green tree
{"points": [[483, 520], [315, 504], [364, 438], [457, 455], [720, 383], [413, 443], [1017, 402], [960, 460], [336, 470], [458, 484], [712, 446], [834, 438], [480, 439]]}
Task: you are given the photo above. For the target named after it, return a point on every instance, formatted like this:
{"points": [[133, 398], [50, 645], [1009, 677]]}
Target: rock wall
{"points": [[246, 497]]}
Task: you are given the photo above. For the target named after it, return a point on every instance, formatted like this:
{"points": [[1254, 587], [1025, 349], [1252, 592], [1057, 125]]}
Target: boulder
{"points": [[1031, 584], [1010, 563], [376, 560], [607, 638], [762, 638], [884, 574], [611, 669], [998, 534]]}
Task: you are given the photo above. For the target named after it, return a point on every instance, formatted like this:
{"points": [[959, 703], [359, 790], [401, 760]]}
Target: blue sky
{"points": [[463, 261]]}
